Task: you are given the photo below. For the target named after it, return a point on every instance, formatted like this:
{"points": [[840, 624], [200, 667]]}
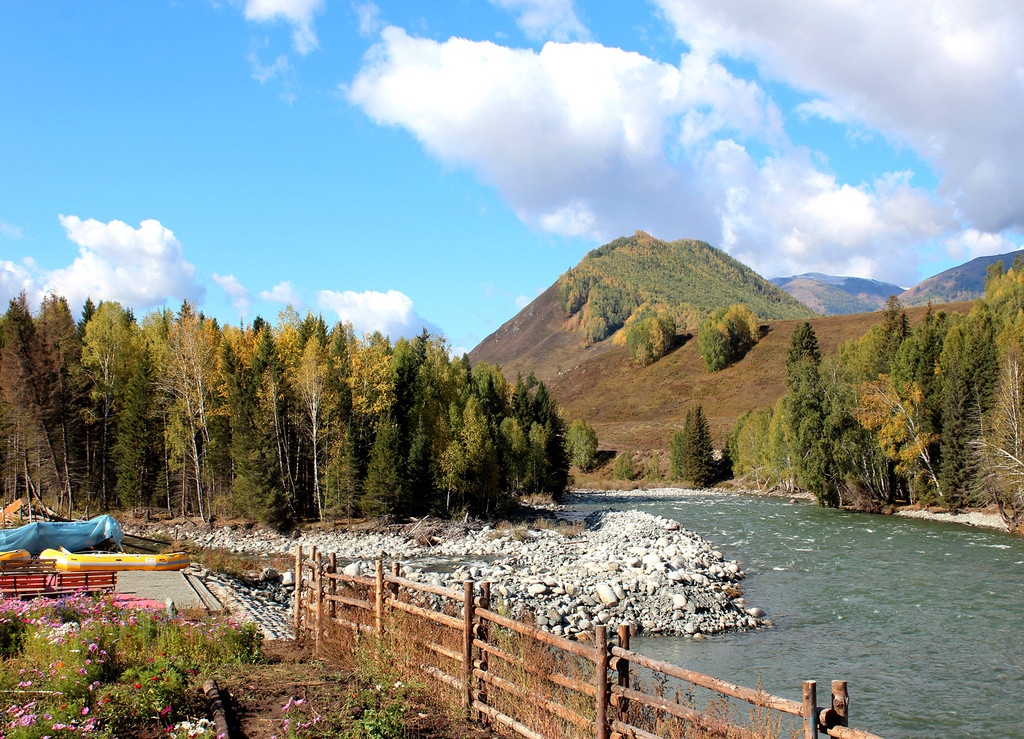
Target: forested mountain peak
{"points": [[687, 278]]}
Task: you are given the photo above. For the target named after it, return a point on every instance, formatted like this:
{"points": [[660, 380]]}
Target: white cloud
{"points": [[369, 18], [553, 20], [944, 77], [971, 243], [574, 136], [391, 313], [15, 279], [262, 72], [812, 222], [522, 301], [299, 13], [140, 267], [9, 231], [238, 293], [285, 294]]}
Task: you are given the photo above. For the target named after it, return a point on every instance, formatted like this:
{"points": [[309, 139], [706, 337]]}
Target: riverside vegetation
{"points": [[281, 423], [928, 414]]}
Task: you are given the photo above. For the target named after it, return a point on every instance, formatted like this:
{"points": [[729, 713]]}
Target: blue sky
{"points": [[406, 163]]}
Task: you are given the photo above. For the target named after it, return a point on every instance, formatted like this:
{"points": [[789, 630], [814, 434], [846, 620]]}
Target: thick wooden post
{"points": [[468, 609], [378, 611], [483, 631], [622, 670], [601, 682], [297, 604], [318, 576], [841, 702], [810, 711]]}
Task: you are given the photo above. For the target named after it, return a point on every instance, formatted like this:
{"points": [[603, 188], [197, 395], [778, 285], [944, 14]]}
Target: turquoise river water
{"points": [[924, 619]]}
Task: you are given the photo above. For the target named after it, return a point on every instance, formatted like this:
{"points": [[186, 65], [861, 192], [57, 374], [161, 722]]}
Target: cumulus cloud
{"points": [[554, 20], [391, 313], [815, 223], [237, 293], [285, 294], [522, 301], [299, 13], [15, 279], [945, 78], [581, 139], [971, 243], [141, 267]]}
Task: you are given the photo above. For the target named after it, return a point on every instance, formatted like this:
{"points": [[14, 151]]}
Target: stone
{"points": [[288, 579], [352, 570], [679, 601], [756, 612], [606, 593], [537, 588]]}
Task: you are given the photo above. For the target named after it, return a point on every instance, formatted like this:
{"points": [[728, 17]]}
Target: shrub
{"points": [[624, 469]]}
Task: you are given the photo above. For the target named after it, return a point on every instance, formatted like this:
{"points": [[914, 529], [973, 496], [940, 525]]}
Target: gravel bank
{"points": [[970, 518], [618, 567]]}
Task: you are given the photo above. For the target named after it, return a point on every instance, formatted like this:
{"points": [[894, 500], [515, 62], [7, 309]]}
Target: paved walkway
{"points": [[187, 591]]}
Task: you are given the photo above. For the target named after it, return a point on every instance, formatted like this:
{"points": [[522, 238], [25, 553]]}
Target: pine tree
{"points": [[624, 468], [381, 490], [805, 408], [698, 452]]}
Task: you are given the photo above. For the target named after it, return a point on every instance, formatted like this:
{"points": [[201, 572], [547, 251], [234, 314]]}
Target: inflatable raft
{"points": [[18, 555], [86, 561]]}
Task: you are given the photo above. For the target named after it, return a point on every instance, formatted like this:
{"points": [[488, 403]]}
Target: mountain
{"points": [[627, 278], [837, 296], [966, 282], [687, 278]]}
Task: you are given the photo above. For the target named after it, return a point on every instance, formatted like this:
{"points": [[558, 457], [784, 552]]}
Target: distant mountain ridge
{"points": [[831, 295], [964, 282]]}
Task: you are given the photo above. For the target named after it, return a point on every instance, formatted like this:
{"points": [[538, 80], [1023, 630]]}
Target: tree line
{"points": [[293, 421], [929, 414]]}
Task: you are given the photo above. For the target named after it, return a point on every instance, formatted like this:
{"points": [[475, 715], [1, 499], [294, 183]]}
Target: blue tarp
{"points": [[73, 535]]}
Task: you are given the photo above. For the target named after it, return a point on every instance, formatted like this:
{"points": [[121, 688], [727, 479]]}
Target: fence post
{"points": [[297, 606], [810, 714], [601, 682], [483, 626], [841, 702], [379, 600], [622, 669], [332, 568], [319, 617], [468, 609]]}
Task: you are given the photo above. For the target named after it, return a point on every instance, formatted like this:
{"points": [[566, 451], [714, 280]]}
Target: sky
{"points": [[403, 165]]}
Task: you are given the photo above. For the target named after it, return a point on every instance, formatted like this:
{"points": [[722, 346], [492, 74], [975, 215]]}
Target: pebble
{"points": [[625, 567]]}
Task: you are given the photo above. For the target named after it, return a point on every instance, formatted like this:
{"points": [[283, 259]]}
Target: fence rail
{"points": [[505, 671]]}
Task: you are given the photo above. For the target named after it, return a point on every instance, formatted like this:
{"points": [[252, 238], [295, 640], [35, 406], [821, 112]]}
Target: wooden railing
{"points": [[508, 672]]}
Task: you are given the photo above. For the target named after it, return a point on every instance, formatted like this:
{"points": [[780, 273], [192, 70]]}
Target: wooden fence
{"points": [[507, 672]]}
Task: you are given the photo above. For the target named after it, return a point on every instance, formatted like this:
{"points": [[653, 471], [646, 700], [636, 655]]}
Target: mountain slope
{"points": [[687, 278], [966, 282], [837, 296]]}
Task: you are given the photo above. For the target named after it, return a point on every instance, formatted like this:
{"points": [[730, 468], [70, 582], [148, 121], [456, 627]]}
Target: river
{"points": [[924, 619]]}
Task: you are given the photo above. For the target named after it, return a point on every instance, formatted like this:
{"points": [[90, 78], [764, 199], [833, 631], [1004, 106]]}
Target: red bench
{"points": [[35, 578]]}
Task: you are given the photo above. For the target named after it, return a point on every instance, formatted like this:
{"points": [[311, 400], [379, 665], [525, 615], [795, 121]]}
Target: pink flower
{"points": [[85, 710]]}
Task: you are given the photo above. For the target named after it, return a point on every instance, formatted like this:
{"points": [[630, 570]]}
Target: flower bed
{"points": [[81, 666]]}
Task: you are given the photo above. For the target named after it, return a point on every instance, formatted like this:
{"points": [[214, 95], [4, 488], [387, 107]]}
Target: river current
{"points": [[925, 620]]}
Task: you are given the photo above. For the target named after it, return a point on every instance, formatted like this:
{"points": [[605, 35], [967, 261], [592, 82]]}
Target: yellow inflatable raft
{"points": [[85, 561], [18, 555]]}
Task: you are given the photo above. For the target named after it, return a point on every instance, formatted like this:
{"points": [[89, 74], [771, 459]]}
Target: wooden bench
{"points": [[35, 578]]}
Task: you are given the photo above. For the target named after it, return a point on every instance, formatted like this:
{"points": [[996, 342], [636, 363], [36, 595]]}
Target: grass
{"points": [[85, 667]]}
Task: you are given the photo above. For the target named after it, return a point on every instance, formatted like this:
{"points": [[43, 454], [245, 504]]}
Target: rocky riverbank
{"points": [[614, 567]]}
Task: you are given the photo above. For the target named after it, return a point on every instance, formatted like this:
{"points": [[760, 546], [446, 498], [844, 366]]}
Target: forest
{"points": [[277, 423], [928, 414]]}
